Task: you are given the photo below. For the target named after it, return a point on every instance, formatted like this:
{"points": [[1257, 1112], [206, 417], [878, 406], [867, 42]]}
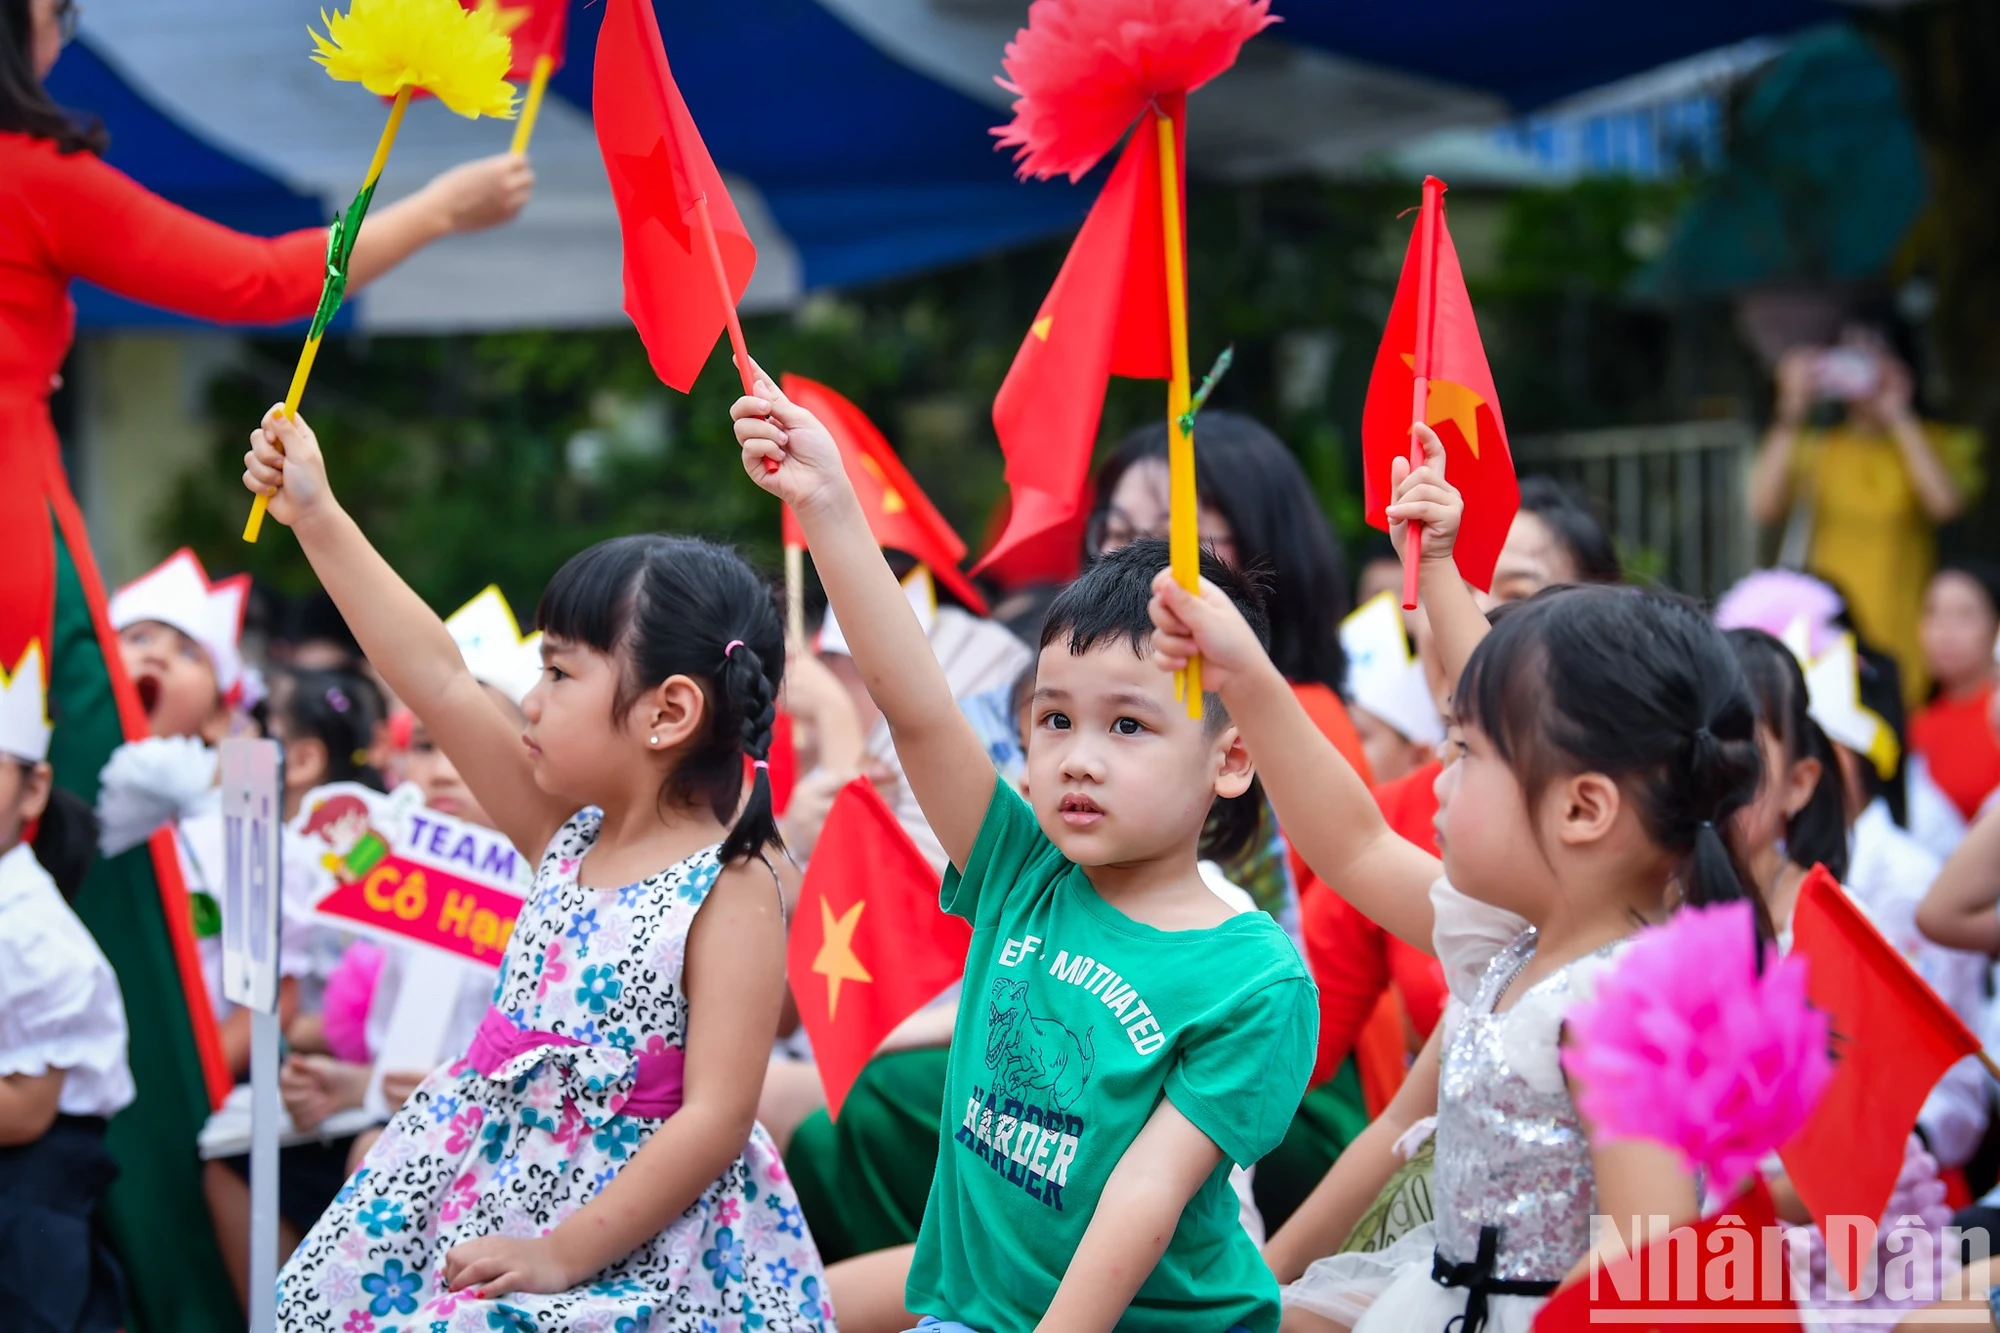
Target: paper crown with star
{"points": [[490, 640], [1833, 687], [179, 594], [1383, 676], [24, 707]]}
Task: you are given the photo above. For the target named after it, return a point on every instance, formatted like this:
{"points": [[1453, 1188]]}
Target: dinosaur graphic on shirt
{"points": [[1031, 1054]]}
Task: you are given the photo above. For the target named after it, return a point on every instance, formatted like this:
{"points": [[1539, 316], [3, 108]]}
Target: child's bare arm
{"points": [[735, 982], [1958, 912], [1329, 1214], [1327, 813], [28, 1104], [1135, 1219], [1423, 496], [401, 635], [942, 756]]}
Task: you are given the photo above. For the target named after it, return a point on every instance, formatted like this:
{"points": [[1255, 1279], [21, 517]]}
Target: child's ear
{"points": [[1588, 807], [1237, 770], [675, 710]]}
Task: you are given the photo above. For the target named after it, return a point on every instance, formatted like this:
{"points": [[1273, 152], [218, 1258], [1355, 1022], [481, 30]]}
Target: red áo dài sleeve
{"points": [[100, 225]]}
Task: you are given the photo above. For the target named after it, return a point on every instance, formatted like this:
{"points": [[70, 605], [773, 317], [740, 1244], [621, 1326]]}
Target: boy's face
{"points": [[176, 681], [1118, 773]]}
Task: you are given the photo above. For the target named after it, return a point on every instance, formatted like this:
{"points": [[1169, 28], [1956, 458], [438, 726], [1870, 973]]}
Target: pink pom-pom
{"points": [[1085, 69], [350, 989], [1773, 600], [1686, 1044]]}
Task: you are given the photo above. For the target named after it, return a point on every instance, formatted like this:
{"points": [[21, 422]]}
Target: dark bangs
{"points": [[591, 598]]}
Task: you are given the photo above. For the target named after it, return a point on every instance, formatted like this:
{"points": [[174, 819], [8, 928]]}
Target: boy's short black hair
{"points": [[1107, 603]]}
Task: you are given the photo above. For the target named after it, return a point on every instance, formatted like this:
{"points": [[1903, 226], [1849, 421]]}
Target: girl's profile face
{"points": [[571, 732], [1759, 825], [176, 681], [1485, 830]]}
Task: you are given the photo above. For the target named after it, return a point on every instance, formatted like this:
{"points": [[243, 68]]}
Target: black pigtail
{"points": [[751, 695]]}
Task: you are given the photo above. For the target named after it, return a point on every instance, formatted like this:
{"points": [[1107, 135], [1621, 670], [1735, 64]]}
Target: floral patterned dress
{"points": [[517, 1152]]}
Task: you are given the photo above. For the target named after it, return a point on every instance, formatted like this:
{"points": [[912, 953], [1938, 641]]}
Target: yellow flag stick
{"points": [[311, 349], [531, 105], [1183, 544]]}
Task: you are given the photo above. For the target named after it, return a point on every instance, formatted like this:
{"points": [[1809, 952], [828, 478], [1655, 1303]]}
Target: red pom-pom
{"points": [[1085, 70]]}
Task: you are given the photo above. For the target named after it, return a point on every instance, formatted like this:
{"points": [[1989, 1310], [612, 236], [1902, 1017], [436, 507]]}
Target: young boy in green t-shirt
{"points": [[1122, 1036]]}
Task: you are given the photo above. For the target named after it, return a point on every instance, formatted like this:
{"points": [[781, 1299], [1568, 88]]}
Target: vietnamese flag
{"points": [[869, 944], [1893, 1040], [541, 28], [1106, 315], [660, 170], [1653, 1285], [901, 517], [1462, 405]]}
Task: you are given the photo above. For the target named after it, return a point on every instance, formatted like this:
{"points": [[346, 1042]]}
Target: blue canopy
{"points": [[856, 133]]}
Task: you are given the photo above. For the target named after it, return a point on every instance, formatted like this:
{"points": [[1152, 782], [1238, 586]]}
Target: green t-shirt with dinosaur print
{"points": [[1073, 1023]]}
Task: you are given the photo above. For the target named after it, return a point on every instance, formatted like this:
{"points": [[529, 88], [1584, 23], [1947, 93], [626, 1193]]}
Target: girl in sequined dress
{"points": [[1603, 736]]}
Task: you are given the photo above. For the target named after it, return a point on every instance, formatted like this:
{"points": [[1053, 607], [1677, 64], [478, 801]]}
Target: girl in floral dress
{"points": [[593, 1162]]}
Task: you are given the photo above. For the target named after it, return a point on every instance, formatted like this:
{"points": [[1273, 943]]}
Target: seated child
{"points": [[1122, 1034], [62, 1040]]}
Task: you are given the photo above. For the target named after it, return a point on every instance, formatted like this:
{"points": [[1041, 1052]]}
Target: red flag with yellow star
{"points": [[1462, 405], [869, 943], [660, 170], [1106, 315]]}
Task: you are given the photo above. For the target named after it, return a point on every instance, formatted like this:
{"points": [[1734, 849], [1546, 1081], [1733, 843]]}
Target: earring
{"points": [[652, 740]]}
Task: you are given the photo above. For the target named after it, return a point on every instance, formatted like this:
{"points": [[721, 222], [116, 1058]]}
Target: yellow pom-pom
{"points": [[459, 56]]}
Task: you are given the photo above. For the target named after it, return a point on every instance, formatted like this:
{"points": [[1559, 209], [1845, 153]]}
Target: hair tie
{"points": [[1703, 734], [731, 647], [337, 699], [764, 764]]}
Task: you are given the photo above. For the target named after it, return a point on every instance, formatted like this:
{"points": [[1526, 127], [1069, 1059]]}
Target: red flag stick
{"points": [[1427, 220], [795, 573]]}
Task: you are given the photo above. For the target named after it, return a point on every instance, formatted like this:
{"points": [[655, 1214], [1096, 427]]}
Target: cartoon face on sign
{"points": [[341, 822], [407, 873]]}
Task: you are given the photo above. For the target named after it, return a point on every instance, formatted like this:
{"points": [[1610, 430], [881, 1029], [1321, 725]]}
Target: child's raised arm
{"points": [[943, 759], [401, 635], [1423, 496], [1323, 806]]}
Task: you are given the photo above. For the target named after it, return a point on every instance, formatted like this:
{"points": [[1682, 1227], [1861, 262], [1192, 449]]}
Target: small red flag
{"points": [[901, 517], [542, 29], [1734, 1261], [1893, 1040], [869, 944], [659, 170], [1106, 315], [1462, 406]]}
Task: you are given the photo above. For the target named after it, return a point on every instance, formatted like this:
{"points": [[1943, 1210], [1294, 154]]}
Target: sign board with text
{"points": [[406, 873]]}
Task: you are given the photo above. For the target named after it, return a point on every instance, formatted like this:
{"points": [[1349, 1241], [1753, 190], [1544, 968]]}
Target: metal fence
{"points": [[1673, 496]]}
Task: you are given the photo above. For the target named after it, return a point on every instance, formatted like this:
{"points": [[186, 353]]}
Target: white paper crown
{"points": [[918, 588], [24, 707], [179, 594], [1833, 686], [1382, 675], [489, 638]]}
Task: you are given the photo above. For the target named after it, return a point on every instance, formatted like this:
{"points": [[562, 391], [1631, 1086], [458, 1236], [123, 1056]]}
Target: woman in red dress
{"points": [[65, 214]]}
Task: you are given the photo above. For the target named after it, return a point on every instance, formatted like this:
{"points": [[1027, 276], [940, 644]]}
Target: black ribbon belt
{"points": [[1477, 1278]]}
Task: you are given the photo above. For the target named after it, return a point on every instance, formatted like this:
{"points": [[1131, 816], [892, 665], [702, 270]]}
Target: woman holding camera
{"points": [[1862, 485]]}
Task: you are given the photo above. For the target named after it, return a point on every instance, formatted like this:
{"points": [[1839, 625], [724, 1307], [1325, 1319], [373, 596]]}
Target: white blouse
{"points": [[59, 1002]]}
